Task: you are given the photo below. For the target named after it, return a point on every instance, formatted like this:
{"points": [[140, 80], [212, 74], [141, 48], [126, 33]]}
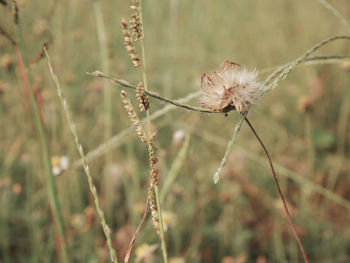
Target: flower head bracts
{"points": [[230, 86]]}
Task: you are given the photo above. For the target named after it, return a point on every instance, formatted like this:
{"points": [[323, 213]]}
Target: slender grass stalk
{"points": [[311, 61], [50, 181], [280, 193], [161, 225], [92, 187], [228, 149], [273, 79], [144, 77]]}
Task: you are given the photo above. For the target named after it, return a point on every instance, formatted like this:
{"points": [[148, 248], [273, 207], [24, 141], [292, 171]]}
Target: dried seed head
{"points": [[230, 86], [152, 150], [136, 27], [129, 44], [142, 97], [133, 117], [153, 208]]}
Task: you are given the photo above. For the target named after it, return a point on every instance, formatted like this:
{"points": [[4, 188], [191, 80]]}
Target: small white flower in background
{"points": [[230, 86], [64, 162], [59, 164], [169, 219], [145, 252], [179, 137], [56, 170]]}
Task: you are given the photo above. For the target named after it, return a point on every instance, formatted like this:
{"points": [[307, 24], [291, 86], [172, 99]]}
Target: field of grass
{"points": [[47, 210]]}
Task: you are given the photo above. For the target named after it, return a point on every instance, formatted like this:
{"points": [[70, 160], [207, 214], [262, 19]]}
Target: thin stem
{"points": [[161, 228], [228, 149], [145, 85], [274, 75], [105, 227], [50, 181], [280, 193], [151, 94], [132, 242], [273, 79]]}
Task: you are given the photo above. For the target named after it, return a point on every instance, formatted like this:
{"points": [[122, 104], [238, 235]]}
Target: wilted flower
{"points": [[230, 87]]}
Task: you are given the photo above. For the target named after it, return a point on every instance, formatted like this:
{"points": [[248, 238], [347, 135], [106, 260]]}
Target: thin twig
{"points": [[280, 193], [150, 93], [132, 242]]}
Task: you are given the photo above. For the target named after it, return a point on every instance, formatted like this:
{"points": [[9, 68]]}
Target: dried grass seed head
{"points": [[129, 45], [133, 117], [230, 86]]}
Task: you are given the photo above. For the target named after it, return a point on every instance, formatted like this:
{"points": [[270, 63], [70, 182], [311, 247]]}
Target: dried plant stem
{"points": [[280, 193], [282, 170], [132, 242], [144, 77], [150, 93], [50, 181], [92, 187], [275, 74]]}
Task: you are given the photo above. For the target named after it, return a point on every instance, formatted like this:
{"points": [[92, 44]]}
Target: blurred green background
{"points": [[304, 123]]}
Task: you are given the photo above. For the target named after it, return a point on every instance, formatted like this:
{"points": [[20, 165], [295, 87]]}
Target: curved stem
{"points": [[274, 75], [280, 193]]}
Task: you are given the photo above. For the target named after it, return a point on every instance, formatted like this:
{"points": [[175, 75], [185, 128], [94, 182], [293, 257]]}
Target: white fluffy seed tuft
{"points": [[230, 86]]}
